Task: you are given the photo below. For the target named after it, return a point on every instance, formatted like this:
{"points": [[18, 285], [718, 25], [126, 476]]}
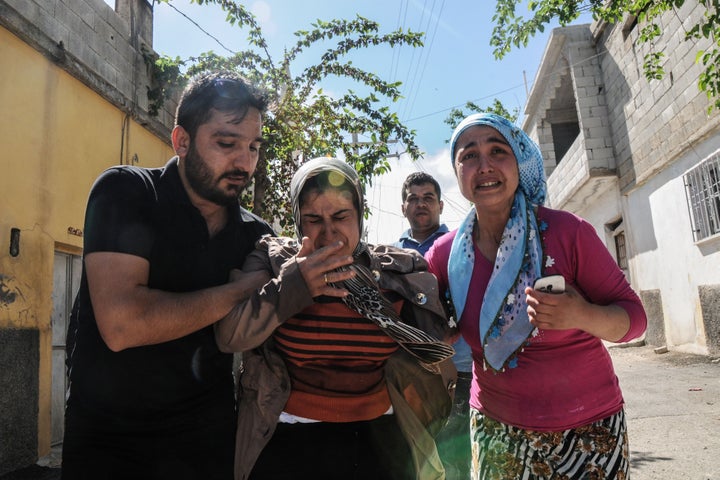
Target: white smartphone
{"points": [[550, 284]]}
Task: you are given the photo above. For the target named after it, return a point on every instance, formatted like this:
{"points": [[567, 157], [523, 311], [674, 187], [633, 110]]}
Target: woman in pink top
{"points": [[545, 401]]}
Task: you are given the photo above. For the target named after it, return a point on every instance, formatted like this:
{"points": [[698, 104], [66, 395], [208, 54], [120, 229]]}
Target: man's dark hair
{"points": [[419, 178], [224, 91]]}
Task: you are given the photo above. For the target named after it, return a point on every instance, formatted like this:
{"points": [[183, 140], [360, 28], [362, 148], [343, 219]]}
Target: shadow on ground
{"points": [[638, 459], [33, 472]]}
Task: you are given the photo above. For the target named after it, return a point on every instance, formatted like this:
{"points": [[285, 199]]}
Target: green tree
{"points": [[512, 30], [302, 118], [457, 115]]}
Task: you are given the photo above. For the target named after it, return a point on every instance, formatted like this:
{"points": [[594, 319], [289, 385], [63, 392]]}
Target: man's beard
{"points": [[201, 180]]}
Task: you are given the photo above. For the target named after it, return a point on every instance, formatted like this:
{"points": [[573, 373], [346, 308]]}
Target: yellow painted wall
{"points": [[56, 136]]}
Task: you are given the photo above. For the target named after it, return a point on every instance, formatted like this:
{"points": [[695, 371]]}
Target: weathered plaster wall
{"points": [[65, 118]]}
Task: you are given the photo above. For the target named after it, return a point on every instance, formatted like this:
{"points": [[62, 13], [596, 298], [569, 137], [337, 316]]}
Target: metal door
{"points": [[66, 281]]}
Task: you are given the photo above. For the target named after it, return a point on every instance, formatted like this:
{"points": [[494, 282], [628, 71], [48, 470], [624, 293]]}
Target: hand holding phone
{"points": [[550, 284]]}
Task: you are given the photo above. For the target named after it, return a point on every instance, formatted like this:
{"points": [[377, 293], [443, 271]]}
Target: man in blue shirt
{"points": [[422, 207]]}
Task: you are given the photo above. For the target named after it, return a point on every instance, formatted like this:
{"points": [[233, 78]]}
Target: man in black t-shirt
{"points": [[151, 396]]}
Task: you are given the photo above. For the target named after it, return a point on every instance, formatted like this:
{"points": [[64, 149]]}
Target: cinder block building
{"points": [[640, 160], [73, 93]]}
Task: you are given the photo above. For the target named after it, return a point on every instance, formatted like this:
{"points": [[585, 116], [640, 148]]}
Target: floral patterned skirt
{"points": [[595, 451]]}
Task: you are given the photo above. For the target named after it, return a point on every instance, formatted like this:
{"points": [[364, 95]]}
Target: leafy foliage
{"points": [[165, 78], [303, 121], [511, 30]]}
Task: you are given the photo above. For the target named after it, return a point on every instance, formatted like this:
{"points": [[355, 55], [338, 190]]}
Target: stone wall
{"points": [[97, 45], [19, 357], [710, 306], [655, 333]]}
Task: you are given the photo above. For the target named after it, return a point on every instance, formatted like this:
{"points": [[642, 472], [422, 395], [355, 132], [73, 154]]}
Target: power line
{"points": [[394, 63], [427, 57], [200, 28], [396, 51], [414, 66], [492, 95], [412, 58]]}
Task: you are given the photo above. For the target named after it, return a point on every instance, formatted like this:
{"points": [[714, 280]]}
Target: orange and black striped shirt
{"points": [[335, 359]]}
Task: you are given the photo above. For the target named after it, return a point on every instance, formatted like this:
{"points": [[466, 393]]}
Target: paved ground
{"points": [[672, 403], [673, 410]]}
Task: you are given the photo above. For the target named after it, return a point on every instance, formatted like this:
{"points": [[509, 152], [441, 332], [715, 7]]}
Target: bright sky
{"points": [[455, 65]]}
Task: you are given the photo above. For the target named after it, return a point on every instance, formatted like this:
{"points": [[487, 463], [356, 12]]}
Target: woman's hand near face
{"points": [[563, 311], [318, 268]]}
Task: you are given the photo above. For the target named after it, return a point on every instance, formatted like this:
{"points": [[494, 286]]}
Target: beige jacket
{"points": [[421, 400]]}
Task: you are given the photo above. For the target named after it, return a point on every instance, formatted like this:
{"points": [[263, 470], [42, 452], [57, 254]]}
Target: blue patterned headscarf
{"points": [[504, 324]]}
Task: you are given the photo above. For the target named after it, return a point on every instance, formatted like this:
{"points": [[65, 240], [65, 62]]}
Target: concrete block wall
{"points": [[656, 130], [653, 122], [591, 102], [97, 45], [568, 177], [571, 172], [544, 130], [592, 153]]}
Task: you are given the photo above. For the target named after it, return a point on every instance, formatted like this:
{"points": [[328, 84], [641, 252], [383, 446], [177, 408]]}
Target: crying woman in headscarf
{"points": [[346, 369], [544, 401]]}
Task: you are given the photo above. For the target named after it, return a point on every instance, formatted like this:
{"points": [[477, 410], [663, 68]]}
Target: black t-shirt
{"points": [[146, 212]]}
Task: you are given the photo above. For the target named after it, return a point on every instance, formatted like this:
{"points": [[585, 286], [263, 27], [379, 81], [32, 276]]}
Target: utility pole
{"points": [[357, 144]]}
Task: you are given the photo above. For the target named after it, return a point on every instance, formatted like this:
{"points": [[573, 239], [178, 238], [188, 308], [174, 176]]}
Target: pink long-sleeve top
{"points": [[564, 378]]}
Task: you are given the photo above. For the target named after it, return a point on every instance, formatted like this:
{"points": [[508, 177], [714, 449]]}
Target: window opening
{"points": [[621, 251], [564, 134], [702, 189], [629, 26], [618, 234]]}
